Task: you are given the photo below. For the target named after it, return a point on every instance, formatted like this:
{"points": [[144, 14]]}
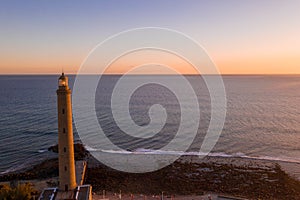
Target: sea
{"points": [[262, 117]]}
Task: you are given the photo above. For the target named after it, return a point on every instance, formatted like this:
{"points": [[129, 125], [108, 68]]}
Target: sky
{"points": [[241, 37]]}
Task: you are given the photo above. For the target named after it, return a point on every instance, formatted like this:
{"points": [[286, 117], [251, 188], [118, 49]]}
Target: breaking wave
{"points": [[142, 151]]}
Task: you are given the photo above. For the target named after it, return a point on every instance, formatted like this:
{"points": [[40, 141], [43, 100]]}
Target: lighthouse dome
{"points": [[63, 80]]}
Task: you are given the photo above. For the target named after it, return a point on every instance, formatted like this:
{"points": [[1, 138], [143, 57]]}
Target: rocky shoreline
{"points": [[183, 177], [187, 178]]}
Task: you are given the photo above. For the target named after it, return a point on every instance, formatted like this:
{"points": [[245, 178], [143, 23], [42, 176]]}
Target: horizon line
{"points": [[121, 74]]}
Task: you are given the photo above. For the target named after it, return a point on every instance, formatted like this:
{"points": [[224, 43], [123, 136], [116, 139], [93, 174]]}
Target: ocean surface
{"points": [[263, 118]]}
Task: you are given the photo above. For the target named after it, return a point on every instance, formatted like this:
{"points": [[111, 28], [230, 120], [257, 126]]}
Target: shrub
{"points": [[20, 192]]}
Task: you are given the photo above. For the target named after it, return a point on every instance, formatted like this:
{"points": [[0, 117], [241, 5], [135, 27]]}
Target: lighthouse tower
{"points": [[69, 187], [67, 179]]}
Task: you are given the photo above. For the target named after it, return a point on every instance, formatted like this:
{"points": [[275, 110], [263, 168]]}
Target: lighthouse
{"points": [[67, 179], [69, 187]]}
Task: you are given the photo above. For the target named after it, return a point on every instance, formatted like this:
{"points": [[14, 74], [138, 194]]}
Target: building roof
{"points": [[83, 192]]}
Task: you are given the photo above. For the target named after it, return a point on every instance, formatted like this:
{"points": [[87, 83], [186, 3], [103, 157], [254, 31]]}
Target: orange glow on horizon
{"points": [[157, 59], [226, 63]]}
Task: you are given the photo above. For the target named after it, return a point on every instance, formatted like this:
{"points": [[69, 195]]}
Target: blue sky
{"points": [[36, 35]]}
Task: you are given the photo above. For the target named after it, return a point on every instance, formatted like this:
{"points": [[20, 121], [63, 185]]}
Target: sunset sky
{"points": [[241, 37]]}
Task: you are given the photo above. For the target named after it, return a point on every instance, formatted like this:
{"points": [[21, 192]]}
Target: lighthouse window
{"points": [[63, 111], [65, 168], [64, 130], [65, 149]]}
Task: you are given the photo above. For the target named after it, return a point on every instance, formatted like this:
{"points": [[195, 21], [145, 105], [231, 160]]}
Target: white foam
{"points": [[215, 154], [42, 151]]}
